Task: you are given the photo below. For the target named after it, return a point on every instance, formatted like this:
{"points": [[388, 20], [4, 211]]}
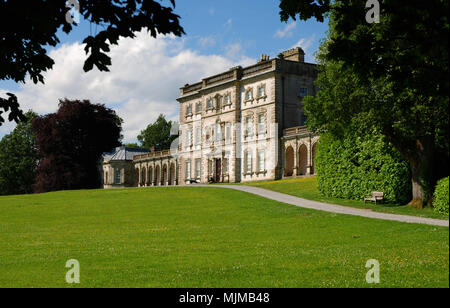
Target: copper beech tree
{"points": [[70, 144]]}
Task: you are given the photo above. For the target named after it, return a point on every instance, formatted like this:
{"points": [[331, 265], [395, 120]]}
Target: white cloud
{"points": [[206, 42], [306, 44], [144, 80], [234, 51], [228, 24], [286, 31]]}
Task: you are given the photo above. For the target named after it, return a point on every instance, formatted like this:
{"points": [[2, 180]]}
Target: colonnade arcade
{"points": [[154, 170], [299, 151]]}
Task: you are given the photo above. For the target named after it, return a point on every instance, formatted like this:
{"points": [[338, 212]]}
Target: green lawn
{"points": [[207, 237], [307, 188]]}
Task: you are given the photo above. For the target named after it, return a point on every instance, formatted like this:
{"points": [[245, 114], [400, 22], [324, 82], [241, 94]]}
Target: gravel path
{"points": [[327, 207]]}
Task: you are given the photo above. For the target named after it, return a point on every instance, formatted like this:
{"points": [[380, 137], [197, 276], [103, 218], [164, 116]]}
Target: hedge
{"points": [[441, 196], [351, 167]]}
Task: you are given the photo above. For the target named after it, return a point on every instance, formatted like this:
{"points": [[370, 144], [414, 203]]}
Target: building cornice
{"points": [[239, 74]]}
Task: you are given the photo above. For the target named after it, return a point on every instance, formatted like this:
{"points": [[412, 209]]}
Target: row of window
{"points": [[198, 167], [261, 92], [261, 128], [213, 133], [261, 161], [210, 104], [248, 164], [222, 131]]}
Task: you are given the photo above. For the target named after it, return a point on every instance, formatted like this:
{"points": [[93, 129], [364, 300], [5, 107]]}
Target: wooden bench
{"points": [[375, 197]]}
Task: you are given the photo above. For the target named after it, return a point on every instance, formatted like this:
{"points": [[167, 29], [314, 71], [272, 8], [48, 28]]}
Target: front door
{"points": [[218, 170]]}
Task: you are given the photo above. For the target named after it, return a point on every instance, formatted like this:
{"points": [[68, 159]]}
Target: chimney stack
{"points": [[296, 54], [264, 58]]}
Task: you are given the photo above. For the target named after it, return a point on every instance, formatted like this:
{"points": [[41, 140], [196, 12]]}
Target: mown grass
{"points": [[207, 237], [307, 188]]}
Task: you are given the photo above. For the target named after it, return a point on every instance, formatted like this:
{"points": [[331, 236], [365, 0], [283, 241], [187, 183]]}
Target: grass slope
{"points": [[307, 188], [206, 237]]}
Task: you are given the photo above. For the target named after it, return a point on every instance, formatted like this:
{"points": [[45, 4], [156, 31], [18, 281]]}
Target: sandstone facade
{"points": [[246, 124]]}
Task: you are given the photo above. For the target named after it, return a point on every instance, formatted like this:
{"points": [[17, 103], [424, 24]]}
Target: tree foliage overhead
{"points": [[18, 159], [393, 74], [28, 27], [157, 134], [71, 143]]}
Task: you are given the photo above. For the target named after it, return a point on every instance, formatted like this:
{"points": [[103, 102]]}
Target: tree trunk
{"points": [[423, 179]]}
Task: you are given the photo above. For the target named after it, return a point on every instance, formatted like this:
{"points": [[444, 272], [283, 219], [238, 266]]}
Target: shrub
{"points": [[354, 165], [441, 196]]}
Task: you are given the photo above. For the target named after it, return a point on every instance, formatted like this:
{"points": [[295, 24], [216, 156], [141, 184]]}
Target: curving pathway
{"points": [[327, 207]]}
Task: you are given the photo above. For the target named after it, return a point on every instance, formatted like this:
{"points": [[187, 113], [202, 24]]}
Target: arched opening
{"points": [[136, 180], [105, 180], [313, 158], [143, 176], [302, 159], [164, 177], [172, 174], [158, 176], [289, 167], [150, 176]]}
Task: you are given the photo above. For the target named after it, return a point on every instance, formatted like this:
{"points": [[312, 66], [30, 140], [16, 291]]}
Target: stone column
{"points": [[308, 167], [138, 176], [296, 166]]}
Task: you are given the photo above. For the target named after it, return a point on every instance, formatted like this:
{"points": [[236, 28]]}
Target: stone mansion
{"points": [[245, 124]]}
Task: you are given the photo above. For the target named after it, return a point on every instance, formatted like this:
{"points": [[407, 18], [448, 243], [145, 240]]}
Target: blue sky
{"points": [[147, 73]]}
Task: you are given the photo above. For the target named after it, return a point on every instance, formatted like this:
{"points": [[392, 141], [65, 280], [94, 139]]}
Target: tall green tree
{"points": [[157, 134], [402, 63], [131, 145], [28, 27], [18, 159]]}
